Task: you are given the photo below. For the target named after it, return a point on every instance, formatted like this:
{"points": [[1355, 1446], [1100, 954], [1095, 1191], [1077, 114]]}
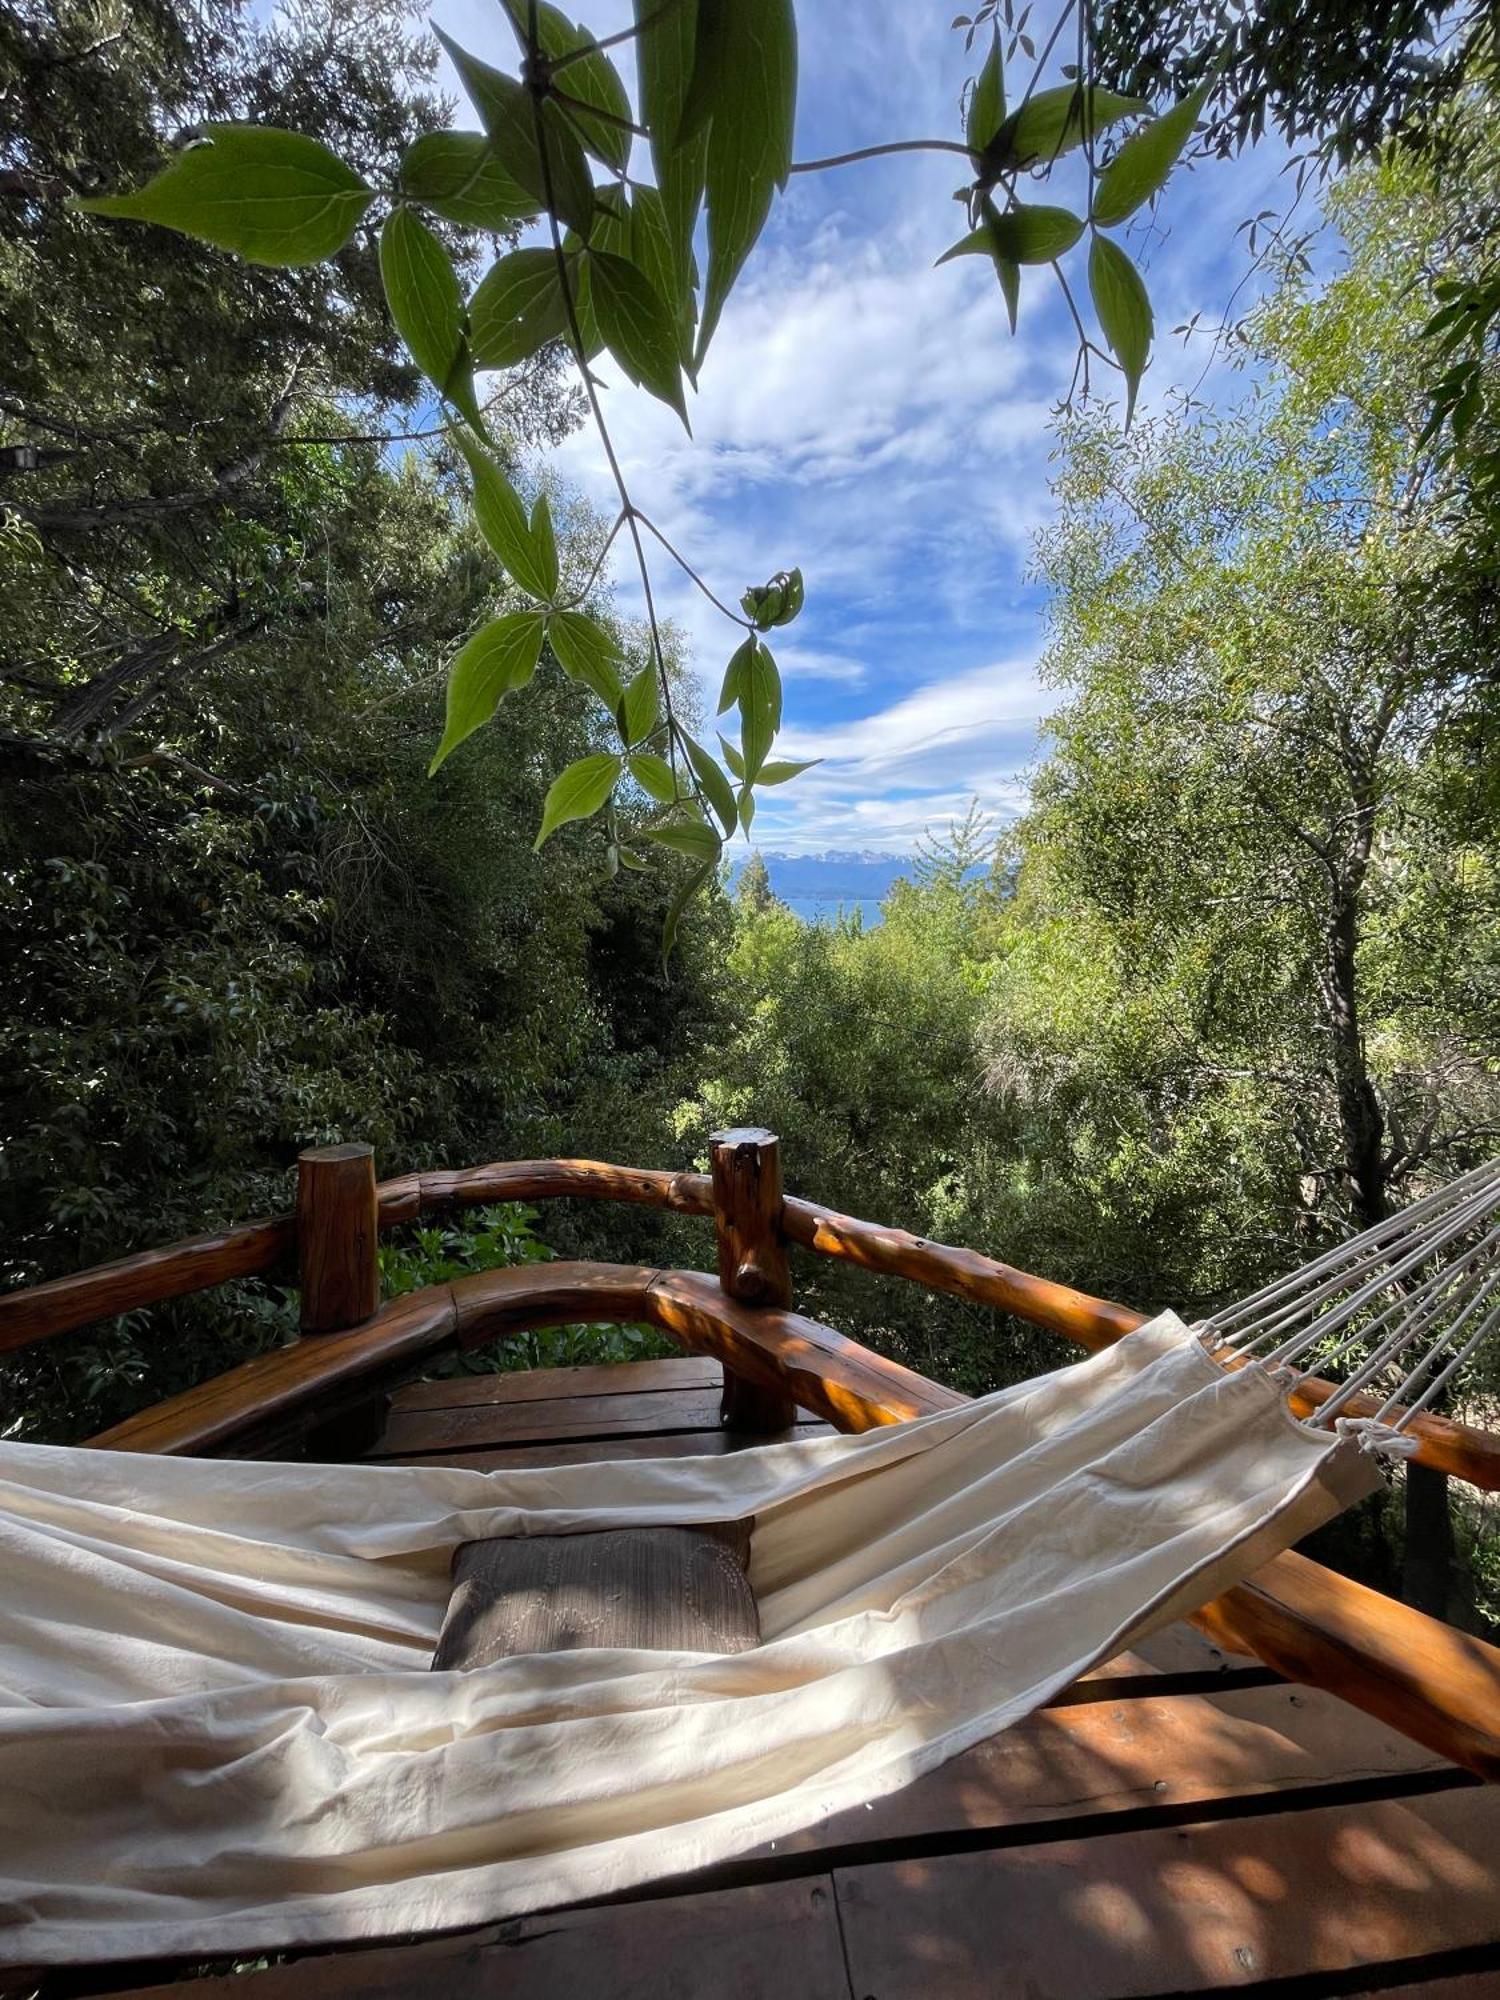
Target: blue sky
{"points": [[871, 419]]}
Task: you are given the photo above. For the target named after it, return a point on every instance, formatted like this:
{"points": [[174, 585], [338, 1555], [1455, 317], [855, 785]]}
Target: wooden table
{"points": [[1182, 1821]]}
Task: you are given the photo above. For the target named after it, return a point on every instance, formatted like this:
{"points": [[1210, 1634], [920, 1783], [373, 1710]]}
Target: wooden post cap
{"points": [[753, 1268], [337, 1237]]}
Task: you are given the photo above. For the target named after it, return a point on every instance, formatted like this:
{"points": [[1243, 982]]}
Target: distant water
{"points": [[821, 910], [816, 886]]}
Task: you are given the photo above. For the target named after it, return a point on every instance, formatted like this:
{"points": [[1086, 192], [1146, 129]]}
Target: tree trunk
{"points": [[1429, 1551], [1429, 1557]]}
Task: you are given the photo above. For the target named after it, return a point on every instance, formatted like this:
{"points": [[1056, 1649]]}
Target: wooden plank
{"points": [[1477, 1985], [481, 1426], [535, 1385], [1181, 1909], [1182, 1649], [771, 1941], [608, 1451], [1146, 1753]]}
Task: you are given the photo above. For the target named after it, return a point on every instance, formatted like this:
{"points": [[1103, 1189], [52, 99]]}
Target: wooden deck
{"points": [[1182, 1821]]}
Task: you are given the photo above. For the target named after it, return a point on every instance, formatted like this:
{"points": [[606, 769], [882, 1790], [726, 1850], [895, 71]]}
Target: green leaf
{"points": [[1033, 234], [1009, 275], [427, 304], [732, 757], [274, 197], [744, 86], [637, 327], [746, 802], [502, 522], [544, 541], [654, 253], [457, 176], [689, 836], [666, 37], [639, 709], [983, 242], [760, 707], [501, 655], [978, 243], [517, 309], [592, 79], [1141, 167], [729, 693], [578, 792], [509, 115], [1124, 310], [783, 773], [679, 903], [1053, 123], [716, 787], [654, 775], [987, 105], [587, 653]]}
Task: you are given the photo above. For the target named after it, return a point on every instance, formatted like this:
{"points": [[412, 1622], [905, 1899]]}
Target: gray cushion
{"points": [[665, 1589]]}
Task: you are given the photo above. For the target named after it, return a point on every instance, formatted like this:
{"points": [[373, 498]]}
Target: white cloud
{"points": [[915, 763]]}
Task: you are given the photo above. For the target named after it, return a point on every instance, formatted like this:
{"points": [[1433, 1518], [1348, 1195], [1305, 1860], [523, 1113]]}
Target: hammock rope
{"points": [[1418, 1292]]}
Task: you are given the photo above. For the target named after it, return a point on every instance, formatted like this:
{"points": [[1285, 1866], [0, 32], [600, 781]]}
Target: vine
{"points": [[618, 273]]}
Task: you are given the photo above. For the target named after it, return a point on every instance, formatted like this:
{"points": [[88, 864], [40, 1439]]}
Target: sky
{"points": [[871, 419]]}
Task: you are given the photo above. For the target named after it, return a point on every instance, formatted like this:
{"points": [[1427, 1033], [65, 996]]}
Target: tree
{"points": [[235, 915], [1339, 77], [753, 891], [1264, 810], [174, 483]]}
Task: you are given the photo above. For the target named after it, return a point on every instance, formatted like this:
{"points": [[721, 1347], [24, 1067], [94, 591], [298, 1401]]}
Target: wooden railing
{"points": [[1438, 1685], [329, 1243]]}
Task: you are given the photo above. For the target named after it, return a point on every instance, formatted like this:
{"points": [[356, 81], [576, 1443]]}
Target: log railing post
{"points": [[337, 1237], [746, 1165]]}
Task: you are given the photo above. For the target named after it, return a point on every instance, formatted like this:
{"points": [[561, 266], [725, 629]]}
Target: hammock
{"points": [[219, 1731]]}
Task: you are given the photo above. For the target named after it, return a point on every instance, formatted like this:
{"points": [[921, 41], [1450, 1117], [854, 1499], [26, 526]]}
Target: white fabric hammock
{"points": [[219, 1733]]}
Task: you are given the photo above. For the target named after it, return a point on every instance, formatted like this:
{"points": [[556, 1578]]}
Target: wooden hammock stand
{"points": [[971, 1854]]}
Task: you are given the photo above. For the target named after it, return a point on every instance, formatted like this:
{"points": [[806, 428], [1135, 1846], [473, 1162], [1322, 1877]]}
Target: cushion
{"points": [[662, 1589]]}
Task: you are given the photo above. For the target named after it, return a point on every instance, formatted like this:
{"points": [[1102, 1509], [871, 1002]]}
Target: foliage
{"points": [[1264, 796], [494, 1239], [618, 273], [235, 917], [1341, 75]]}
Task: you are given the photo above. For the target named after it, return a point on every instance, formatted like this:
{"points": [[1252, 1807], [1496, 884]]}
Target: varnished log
{"points": [[1430, 1681], [65, 1303], [41, 1311], [547, 1180], [1093, 1323], [745, 1166], [264, 1394], [337, 1237], [791, 1356], [819, 1369], [1454, 1448]]}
